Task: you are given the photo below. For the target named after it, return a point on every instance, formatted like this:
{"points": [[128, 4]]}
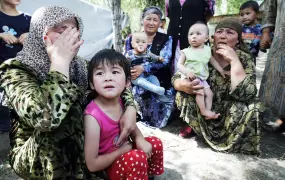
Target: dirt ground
{"points": [[191, 158]]}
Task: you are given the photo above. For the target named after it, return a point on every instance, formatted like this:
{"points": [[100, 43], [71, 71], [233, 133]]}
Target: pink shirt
{"points": [[109, 128]]}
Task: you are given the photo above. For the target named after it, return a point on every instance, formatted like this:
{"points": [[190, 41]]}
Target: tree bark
{"points": [[117, 28]]}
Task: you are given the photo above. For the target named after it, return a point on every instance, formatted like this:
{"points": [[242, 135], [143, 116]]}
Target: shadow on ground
{"points": [[170, 174], [194, 159]]}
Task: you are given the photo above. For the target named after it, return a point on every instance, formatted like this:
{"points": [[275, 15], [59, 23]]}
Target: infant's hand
{"points": [[161, 59], [190, 76]]}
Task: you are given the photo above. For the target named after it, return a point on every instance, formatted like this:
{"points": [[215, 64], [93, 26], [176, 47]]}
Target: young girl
{"points": [[193, 63], [109, 75]]}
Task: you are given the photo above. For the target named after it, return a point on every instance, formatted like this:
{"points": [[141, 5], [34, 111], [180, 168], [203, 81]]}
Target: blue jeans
{"points": [[149, 83]]}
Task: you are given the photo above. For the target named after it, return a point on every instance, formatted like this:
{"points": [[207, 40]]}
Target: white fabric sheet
{"points": [[98, 31]]}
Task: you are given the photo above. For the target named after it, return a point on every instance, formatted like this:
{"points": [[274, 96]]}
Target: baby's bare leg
{"points": [[200, 100], [208, 98]]}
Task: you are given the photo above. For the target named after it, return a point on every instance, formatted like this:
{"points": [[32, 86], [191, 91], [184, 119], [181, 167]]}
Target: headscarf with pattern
{"points": [[234, 24], [34, 53]]}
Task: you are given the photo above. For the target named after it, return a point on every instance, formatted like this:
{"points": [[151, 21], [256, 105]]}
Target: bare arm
{"points": [[181, 67], [127, 123], [185, 85], [269, 20], [141, 143], [155, 58], [180, 64], [136, 134], [237, 71], [128, 120], [94, 161], [265, 40]]}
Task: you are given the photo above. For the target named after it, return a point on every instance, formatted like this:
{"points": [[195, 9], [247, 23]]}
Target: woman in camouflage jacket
{"points": [[45, 86]]}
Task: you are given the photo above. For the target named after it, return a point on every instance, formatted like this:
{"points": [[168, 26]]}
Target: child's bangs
{"points": [[107, 62]]}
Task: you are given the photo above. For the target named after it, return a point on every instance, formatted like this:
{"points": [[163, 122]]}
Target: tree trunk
{"points": [[116, 11]]}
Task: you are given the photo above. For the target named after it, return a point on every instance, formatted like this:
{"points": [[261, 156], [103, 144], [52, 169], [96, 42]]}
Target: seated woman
{"points": [[45, 86], [153, 111], [237, 129]]}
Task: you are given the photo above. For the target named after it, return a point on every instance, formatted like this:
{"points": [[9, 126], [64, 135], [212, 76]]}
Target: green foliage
{"points": [[145, 3], [126, 31], [229, 6], [133, 8]]}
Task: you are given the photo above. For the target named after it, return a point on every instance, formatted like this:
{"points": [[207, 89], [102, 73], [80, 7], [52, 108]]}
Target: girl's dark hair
{"points": [[250, 4], [110, 57]]}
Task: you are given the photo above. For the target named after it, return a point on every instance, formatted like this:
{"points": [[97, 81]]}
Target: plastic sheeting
{"points": [[98, 31]]}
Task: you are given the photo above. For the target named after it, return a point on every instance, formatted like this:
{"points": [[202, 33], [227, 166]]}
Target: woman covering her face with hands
{"points": [[45, 88], [237, 128]]}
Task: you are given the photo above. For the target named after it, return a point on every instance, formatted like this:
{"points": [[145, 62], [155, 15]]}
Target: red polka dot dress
{"points": [[134, 164]]}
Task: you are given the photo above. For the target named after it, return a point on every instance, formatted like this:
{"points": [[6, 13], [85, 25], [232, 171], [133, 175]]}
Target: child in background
{"points": [[14, 28], [161, 28], [193, 63], [141, 55], [109, 75], [251, 30]]}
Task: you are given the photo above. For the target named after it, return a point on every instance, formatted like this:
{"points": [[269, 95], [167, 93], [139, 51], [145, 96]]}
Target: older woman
{"points": [[237, 129], [45, 86], [153, 111]]}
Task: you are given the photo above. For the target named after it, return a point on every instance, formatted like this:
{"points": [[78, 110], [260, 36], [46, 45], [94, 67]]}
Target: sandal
{"points": [[185, 132]]}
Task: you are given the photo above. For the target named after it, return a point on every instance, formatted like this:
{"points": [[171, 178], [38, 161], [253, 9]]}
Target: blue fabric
{"points": [[152, 79], [137, 59], [149, 83], [166, 53], [153, 112], [15, 25], [252, 36]]}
